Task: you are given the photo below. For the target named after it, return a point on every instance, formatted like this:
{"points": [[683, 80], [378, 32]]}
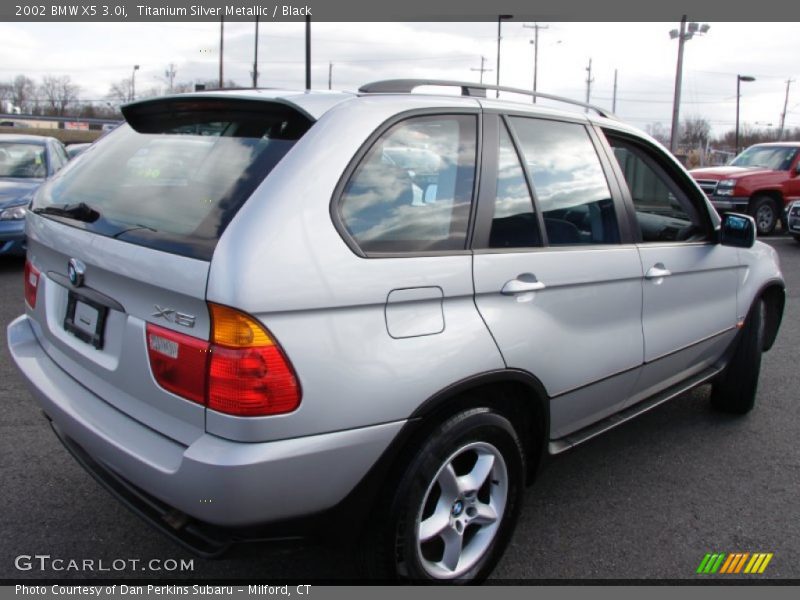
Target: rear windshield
{"points": [[176, 174]]}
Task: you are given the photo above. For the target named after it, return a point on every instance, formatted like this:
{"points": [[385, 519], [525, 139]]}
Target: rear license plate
{"points": [[85, 319]]}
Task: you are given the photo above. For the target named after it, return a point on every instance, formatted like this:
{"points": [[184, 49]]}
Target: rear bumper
{"points": [[213, 480]]}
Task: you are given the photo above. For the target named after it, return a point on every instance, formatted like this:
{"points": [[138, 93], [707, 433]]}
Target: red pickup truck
{"points": [[762, 181]]}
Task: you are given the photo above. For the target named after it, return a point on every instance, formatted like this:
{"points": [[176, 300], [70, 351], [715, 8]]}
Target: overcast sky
{"points": [[95, 55]]}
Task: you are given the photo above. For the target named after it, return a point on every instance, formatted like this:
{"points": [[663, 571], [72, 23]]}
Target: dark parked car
{"points": [[25, 162]]}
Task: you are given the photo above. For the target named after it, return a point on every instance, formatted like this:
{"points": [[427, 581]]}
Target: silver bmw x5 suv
{"points": [[248, 311]]}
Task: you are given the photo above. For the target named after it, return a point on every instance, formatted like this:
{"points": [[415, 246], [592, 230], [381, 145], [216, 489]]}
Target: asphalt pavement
{"points": [[645, 501]]}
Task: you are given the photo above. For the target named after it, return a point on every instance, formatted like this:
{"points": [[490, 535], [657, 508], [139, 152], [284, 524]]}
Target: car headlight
{"points": [[725, 187], [15, 213]]}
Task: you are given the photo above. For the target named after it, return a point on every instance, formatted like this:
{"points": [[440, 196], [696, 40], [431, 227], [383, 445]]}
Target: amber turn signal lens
{"points": [[237, 330]]}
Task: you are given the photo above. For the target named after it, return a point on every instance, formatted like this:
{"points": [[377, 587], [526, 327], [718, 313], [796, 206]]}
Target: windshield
{"points": [[776, 158], [24, 161], [177, 186]]}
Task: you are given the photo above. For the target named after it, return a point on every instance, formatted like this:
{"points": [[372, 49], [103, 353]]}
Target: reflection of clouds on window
{"points": [[513, 197], [562, 162], [431, 222], [568, 182], [412, 183]]}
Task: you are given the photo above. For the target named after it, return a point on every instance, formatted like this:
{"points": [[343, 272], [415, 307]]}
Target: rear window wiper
{"points": [[80, 211]]}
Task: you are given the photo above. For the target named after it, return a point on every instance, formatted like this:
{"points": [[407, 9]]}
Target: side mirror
{"points": [[737, 230]]}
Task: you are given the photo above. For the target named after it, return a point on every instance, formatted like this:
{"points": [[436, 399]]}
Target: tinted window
{"points": [[663, 212], [568, 182], [412, 191], [514, 222], [175, 182]]}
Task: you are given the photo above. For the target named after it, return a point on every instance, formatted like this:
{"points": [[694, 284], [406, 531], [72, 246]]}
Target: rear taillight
{"points": [[249, 375], [31, 283], [242, 371], [179, 362]]}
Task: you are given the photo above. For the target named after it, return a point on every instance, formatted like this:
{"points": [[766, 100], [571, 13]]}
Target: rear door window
{"points": [[514, 223], [568, 181], [175, 176]]}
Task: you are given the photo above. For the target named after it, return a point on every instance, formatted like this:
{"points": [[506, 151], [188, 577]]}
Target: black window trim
{"points": [[482, 225], [488, 192], [338, 191], [492, 123], [674, 178], [545, 242]]}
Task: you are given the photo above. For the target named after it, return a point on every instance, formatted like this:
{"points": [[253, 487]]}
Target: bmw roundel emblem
{"points": [[75, 271]]}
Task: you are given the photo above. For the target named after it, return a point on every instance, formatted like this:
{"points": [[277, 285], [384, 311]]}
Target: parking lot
{"points": [[645, 501]]}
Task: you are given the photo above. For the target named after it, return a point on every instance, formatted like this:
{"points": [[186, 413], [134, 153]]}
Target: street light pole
{"points": [[255, 58], [221, 49], [676, 102], [683, 36], [133, 82], [500, 19], [308, 52], [739, 80]]}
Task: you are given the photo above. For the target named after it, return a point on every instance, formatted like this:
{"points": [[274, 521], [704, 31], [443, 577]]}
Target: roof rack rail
{"points": [[406, 86]]}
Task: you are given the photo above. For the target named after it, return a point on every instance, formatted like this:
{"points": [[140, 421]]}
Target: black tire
{"points": [[766, 214], [468, 441], [735, 390], [796, 237]]}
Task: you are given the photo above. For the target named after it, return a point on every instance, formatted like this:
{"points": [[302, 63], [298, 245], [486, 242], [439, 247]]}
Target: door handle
{"points": [[523, 283], [657, 271]]}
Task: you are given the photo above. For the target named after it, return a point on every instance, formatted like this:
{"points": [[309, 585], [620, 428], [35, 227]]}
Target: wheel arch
{"points": [[516, 394], [776, 195], [774, 296]]}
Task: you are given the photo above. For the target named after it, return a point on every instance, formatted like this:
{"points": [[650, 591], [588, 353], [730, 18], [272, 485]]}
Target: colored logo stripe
{"points": [[734, 563]]}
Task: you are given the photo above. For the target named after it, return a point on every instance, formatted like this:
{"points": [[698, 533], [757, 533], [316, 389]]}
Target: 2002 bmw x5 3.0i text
{"points": [[248, 311]]}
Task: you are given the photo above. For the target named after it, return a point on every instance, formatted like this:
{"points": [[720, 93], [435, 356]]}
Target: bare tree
{"points": [[23, 94], [658, 131], [59, 93], [6, 103], [696, 131], [122, 91]]}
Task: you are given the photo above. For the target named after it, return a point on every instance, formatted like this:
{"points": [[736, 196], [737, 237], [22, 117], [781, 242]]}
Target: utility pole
{"points": [[482, 69], [499, 21], [614, 97], [589, 81], [221, 41], [255, 58], [330, 74], [308, 52], [536, 27], [170, 75], [785, 104]]}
